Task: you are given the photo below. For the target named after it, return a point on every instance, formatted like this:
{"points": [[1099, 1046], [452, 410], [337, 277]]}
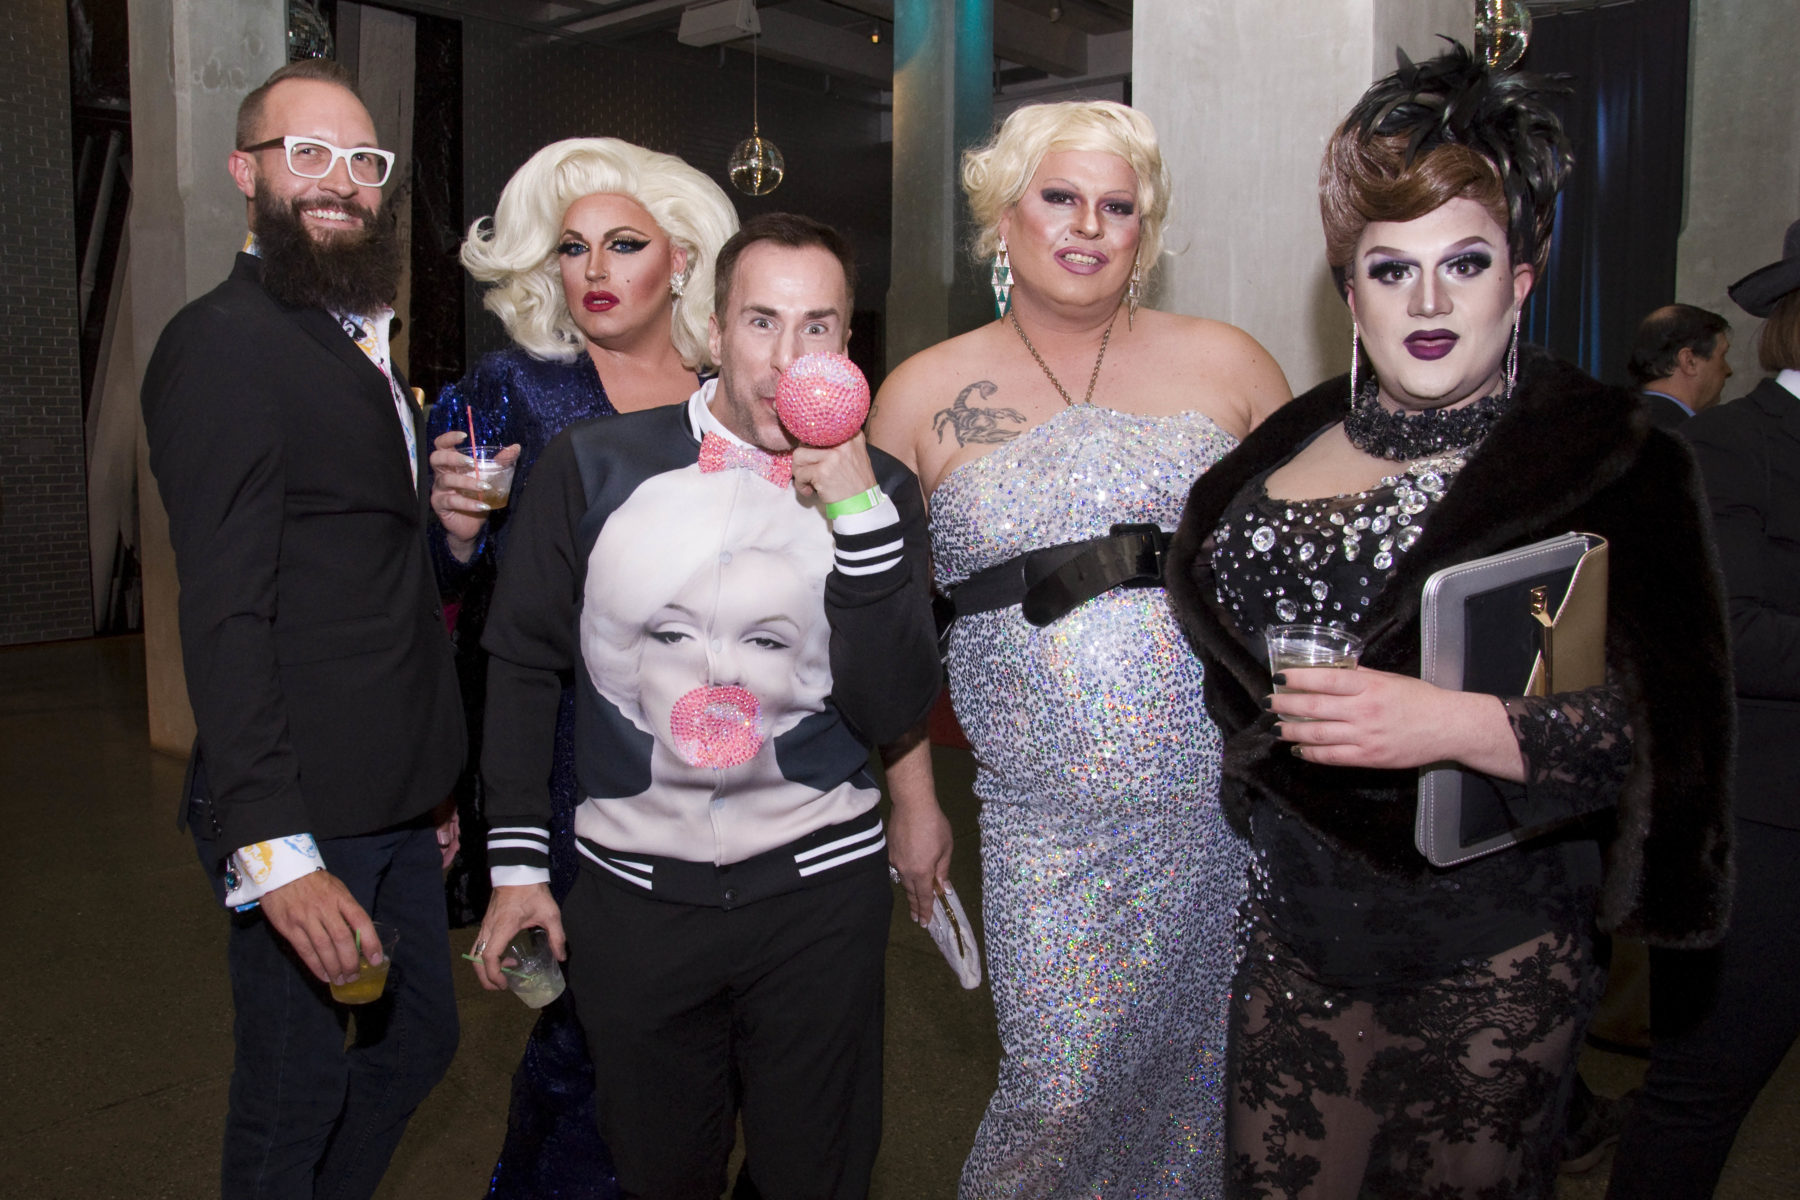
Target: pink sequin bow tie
{"points": [[717, 454]]}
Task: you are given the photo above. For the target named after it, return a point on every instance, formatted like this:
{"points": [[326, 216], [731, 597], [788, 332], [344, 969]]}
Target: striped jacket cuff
{"points": [[518, 846], [872, 552]]}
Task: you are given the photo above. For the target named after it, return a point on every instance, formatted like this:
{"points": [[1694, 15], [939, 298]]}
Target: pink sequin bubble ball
{"points": [[717, 727], [822, 399]]}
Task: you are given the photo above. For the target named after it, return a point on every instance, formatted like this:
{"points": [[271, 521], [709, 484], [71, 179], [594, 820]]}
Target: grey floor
{"points": [[117, 1016]]}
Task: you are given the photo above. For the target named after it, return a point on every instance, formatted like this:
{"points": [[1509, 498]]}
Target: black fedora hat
{"points": [[1758, 292]]}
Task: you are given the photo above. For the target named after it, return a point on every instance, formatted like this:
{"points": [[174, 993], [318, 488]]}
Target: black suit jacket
{"points": [[316, 656], [1749, 452], [1665, 413]]}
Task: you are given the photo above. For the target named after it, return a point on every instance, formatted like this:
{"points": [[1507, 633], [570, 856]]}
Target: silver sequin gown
{"points": [[1110, 879]]}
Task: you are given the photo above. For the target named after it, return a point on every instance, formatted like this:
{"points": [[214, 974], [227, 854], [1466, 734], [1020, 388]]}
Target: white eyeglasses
{"points": [[313, 158]]}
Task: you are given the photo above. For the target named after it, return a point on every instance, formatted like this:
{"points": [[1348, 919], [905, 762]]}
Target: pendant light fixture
{"points": [[756, 165]]}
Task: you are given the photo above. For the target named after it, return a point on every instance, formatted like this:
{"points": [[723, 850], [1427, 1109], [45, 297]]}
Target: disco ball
{"points": [[757, 166], [1502, 30]]}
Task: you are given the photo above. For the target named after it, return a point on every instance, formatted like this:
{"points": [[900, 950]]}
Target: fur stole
{"points": [[1573, 454]]}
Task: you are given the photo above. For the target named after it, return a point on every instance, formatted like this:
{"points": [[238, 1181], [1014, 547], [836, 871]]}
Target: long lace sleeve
{"points": [[1577, 750]]}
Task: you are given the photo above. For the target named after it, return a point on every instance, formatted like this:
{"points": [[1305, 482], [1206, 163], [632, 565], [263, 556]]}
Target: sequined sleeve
{"points": [[1577, 749]]}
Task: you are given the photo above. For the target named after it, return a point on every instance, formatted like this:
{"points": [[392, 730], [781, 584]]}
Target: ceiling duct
{"points": [[720, 21]]}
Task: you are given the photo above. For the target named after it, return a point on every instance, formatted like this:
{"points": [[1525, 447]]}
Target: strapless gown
{"points": [[1110, 880]]}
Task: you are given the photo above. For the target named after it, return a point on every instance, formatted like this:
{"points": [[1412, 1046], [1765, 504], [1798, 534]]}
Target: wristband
{"points": [[861, 502]]}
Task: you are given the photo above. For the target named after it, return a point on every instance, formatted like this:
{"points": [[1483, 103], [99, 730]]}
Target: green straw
{"points": [[504, 970]]}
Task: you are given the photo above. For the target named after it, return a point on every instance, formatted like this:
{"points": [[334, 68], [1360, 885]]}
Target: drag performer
{"points": [[1401, 1030], [600, 255]]}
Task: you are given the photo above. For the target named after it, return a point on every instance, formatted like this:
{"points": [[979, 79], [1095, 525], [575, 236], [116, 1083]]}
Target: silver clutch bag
{"points": [[1529, 622]]}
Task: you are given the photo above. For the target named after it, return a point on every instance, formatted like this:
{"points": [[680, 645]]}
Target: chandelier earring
{"points": [[1001, 281], [1512, 358], [1134, 295], [1355, 354]]}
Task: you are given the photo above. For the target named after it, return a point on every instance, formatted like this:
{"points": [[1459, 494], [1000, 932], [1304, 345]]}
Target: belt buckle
{"points": [[1152, 541]]}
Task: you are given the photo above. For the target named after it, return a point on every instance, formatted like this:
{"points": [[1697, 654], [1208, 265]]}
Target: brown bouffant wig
{"points": [[1779, 346], [1446, 129]]}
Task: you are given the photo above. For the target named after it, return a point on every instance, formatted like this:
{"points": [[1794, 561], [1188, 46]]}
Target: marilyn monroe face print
{"points": [[704, 620]]}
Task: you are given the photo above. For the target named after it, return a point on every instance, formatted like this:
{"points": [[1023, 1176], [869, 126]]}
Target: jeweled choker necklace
{"points": [[1402, 437]]}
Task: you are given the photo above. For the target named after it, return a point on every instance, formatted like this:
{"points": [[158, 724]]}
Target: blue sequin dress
{"points": [[1110, 879], [552, 1148]]}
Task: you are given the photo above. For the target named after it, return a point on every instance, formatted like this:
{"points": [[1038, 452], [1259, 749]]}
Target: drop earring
{"points": [[1001, 280], [1134, 294], [1512, 359], [1355, 355]]}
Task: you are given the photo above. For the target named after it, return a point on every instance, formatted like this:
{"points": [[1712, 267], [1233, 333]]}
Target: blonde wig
{"points": [[996, 174], [515, 249]]}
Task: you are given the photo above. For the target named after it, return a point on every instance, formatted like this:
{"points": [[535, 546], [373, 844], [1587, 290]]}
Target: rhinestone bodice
{"points": [[1322, 560]]}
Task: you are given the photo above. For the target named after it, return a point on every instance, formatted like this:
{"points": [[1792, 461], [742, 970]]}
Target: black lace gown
{"points": [[1406, 1037]]}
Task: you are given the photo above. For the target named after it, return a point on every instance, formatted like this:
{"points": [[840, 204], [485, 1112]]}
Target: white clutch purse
{"points": [[949, 927]]}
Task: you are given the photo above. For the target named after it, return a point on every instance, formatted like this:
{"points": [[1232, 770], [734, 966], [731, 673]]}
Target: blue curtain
{"points": [[1612, 259]]}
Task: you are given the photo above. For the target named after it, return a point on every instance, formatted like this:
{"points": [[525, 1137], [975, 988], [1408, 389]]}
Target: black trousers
{"points": [[310, 1117], [695, 1015], [1721, 1022]]}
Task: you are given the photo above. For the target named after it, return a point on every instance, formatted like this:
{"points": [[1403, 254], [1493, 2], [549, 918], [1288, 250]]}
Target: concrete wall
{"points": [[1743, 159], [1244, 96], [192, 63], [44, 585]]}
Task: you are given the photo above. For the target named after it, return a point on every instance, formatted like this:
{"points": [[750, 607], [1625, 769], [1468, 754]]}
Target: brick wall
{"points": [[45, 591]]}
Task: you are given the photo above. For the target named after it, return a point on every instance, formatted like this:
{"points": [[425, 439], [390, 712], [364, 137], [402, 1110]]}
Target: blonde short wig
{"points": [[515, 249], [996, 174]]}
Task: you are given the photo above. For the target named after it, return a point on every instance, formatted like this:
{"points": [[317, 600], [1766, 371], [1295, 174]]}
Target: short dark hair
{"points": [[784, 229], [320, 70], [1665, 333]]}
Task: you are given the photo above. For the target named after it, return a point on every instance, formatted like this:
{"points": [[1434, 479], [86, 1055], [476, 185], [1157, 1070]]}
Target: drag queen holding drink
{"points": [[601, 258], [1399, 1030], [1108, 875]]}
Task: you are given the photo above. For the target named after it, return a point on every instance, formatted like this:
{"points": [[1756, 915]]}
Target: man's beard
{"points": [[345, 273]]}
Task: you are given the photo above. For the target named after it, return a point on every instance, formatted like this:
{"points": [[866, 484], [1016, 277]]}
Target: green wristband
{"points": [[861, 502]]}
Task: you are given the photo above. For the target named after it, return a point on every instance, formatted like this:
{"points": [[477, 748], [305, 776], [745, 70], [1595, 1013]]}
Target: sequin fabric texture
{"points": [[1109, 875]]}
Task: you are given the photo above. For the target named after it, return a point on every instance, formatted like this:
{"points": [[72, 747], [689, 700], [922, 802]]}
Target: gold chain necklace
{"points": [[1054, 381]]}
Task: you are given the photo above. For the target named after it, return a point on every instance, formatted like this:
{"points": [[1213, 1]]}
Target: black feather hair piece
{"points": [[1504, 116]]}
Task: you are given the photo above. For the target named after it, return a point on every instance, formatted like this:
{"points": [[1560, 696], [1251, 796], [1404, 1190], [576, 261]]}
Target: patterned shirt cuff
{"points": [[254, 871]]}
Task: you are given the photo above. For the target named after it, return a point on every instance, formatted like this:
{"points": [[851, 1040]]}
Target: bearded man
{"points": [[288, 453]]}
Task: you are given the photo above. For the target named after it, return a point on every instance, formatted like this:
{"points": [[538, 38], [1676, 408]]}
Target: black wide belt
{"points": [[1050, 583]]}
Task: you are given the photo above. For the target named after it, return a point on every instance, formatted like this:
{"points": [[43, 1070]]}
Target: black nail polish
{"points": [[1279, 679], [1268, 702]]}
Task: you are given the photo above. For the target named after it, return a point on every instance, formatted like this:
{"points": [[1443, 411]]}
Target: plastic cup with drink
{"points": [[370, 980], [1293, 646]]}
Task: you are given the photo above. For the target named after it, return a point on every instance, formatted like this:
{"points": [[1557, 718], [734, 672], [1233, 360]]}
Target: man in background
{"points": [[1678, 361]]}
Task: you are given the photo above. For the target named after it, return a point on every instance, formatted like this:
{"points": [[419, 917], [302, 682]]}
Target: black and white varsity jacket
{"points": [[735, 656]]}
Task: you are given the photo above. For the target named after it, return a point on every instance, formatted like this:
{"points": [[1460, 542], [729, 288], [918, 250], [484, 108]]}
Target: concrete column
{"points": [[377, 46], [943, 102], [1743, 159], [192, 63], [1244, 97]]}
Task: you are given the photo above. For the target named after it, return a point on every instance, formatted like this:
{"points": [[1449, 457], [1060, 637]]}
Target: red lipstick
{"points": [[599, 302], [1430, 344]]}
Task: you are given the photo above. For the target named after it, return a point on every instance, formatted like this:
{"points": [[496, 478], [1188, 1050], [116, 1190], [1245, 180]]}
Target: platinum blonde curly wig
{"points": [[515, 249], [996, 173]]}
